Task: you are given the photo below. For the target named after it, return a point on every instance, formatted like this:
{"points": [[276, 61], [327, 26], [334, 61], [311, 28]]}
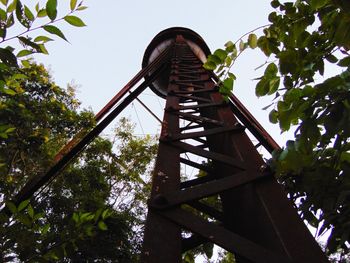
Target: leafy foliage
{"points": [[26, 21], [305, 40], [94, 209]]}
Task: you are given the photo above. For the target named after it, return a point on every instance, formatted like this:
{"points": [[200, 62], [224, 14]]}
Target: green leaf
{"points": [[284, 121], [105, 213], [275, 3], [4, 2], [229, 46], [345, 156], [208, 249], [80, 8], [221, 54], [23, 205], [292, 95], [274, 85], [232, 76], [12, 207], [9, 130], [214, 59], [3, 16], [262, 88], [43, 39], [273, 116], [51, 9], [24, 220], [44, 229], [25, 63], [228, 84], [271, 70], [287, 61], [241, 45], [73, 4], [252, 41], [209, 65], [20, 14], [307, 91], [8, 58], [263, 44], [316, 4], [228, 61], [54, 30], [12, 6], [43, 49], [9, 92], [102, 225], [42, 13], [97, 214], [75, 217], [74, 21], [344, 62], [331, 58], [24, 53], [3, 32], [10, 21], [320, 66], [30, 211], [29, 15], [28, 42]]}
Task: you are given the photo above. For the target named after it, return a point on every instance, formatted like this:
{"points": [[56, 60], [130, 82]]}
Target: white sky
{"points": [[106, 54]]}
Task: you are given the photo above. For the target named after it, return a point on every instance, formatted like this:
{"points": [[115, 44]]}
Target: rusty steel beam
{"points": [[209, 188], [223, 237], [141, 74], [162, 238]]}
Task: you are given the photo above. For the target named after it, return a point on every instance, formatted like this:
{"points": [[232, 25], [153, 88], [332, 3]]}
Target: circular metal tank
{"points": [[164, 39]]}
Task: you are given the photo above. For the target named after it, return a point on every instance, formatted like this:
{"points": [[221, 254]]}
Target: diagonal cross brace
{"points": [[222, 237], [210, 155], [206, 189]]}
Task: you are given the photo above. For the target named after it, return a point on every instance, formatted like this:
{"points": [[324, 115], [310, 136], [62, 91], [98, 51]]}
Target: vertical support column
{"points": [[162, 239]]}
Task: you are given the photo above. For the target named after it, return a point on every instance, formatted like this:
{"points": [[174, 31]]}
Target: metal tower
{"points": [[252, 217], [255, 221]]}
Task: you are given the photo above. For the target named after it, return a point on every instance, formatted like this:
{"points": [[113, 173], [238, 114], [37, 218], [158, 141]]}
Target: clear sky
{"points": [[106, 54]]}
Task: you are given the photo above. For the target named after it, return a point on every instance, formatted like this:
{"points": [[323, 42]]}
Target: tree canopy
{"points": [[94, 209]]}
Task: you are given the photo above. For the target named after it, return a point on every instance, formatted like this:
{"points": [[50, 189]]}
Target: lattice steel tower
{"points": [[255, 220], [252, 217]]}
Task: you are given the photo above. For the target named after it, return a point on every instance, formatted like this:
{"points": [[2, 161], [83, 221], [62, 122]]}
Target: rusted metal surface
{"points": [[148, 110], [255, 220], [162, 238], [253, 125], [223, 237], [209, 188]]}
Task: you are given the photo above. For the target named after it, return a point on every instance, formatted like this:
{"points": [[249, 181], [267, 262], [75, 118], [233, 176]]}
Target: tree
{"points": [[31, 26], [304, 40], [93, 211]]}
